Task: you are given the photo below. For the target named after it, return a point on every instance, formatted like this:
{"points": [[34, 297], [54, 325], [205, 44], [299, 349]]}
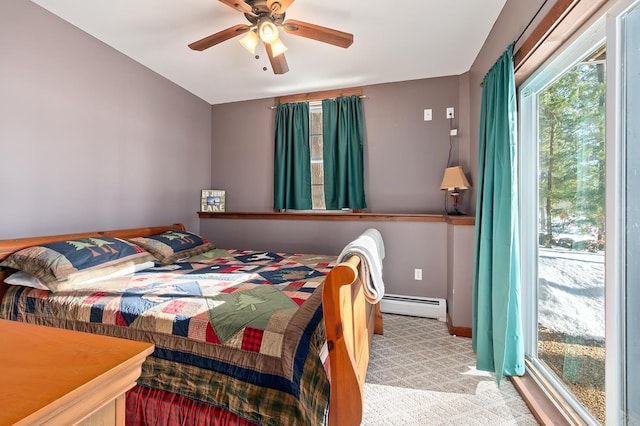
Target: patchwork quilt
{"points": [[241, 330]]}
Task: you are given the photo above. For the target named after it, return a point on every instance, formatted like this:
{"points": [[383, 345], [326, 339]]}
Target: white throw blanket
{"points": [[370, 248]]}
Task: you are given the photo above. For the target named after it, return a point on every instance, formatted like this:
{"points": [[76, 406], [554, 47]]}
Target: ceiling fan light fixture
{"points": [[268, 31], [278, 48], [250, 41], [264, 19]]}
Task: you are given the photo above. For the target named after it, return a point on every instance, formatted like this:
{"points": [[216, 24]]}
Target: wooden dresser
{"points": [[62, 377]]}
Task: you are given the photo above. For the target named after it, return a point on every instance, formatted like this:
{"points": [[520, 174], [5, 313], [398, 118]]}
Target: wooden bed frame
{"points": [[350, 321]]}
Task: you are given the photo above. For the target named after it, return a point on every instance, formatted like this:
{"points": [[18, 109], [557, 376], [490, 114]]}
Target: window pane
{"points": [[316, 121], [317, 155], [317, 175], [316, 148], [571, 131], [317, 193]]}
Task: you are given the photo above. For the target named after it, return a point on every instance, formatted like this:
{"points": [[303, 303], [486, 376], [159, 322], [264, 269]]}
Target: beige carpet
{"points": [[421, 375]]}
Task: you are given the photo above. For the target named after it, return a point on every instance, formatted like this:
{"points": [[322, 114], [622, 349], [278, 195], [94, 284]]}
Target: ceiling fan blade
{"points": [[279, 6], [238, 5], [219, 37], [278, 63], [316, 32]]}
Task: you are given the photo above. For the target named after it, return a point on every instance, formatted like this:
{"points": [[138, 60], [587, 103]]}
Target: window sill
{"points": [[342, 216], [541, 405]]}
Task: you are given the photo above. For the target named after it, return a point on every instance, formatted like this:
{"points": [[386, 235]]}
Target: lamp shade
{"points": [[250, 41], [278, 48], [454, 178], [267, 30]]}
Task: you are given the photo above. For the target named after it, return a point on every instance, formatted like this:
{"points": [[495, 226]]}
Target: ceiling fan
{"points": [[265, 16]]}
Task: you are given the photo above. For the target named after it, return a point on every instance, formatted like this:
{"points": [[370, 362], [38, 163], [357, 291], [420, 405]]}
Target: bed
{"points": [[278, 362]]}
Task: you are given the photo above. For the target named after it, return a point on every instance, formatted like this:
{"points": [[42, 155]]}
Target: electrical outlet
{"points": [[417, 274], [428, 115], [450, 112]]}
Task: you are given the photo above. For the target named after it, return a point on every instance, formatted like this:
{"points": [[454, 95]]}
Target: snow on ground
{"points": [[571, 292]]}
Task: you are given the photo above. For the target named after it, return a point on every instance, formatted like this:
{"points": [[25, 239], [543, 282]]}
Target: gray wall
{"points": [[407, 245], [89, 138], [405, 158], [513, 20], [242, 154], [460, 261]]}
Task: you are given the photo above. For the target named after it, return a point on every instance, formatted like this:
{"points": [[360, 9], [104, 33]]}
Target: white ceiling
{"points": [[393, 41]]}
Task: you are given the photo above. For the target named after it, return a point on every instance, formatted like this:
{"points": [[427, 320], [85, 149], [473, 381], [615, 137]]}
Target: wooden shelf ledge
{"points": [[376, 217]]}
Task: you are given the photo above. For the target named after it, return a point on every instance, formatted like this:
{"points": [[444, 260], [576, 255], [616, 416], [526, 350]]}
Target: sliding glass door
{"points": [[563, 196], [580, 221]]}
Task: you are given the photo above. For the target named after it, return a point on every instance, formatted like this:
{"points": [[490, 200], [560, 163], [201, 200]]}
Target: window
{"points": [[317, 161], [542, 224], [319, 155], [563, 217]]}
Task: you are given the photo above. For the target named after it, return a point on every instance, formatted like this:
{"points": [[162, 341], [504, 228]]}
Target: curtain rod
{"points": [[530, 22], [276, 106], [527, 27]]}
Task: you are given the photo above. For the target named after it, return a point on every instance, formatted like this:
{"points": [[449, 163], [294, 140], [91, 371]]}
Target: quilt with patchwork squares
{"points": [[238, 329]]}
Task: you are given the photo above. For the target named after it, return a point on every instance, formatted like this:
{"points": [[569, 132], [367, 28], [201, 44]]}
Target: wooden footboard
{"points": [[350, 321]]}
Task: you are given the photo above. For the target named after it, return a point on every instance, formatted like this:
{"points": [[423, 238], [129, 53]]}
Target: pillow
{"points": [[171, 246], [76, 261], [26, 279]]}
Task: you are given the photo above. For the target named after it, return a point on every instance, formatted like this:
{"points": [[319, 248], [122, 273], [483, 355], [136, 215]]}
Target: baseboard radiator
{"points": [[414, 306]]}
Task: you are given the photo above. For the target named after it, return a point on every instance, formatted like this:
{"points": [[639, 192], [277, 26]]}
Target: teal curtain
{"points": [[343, 152], [292, 157], [496, 322]]}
